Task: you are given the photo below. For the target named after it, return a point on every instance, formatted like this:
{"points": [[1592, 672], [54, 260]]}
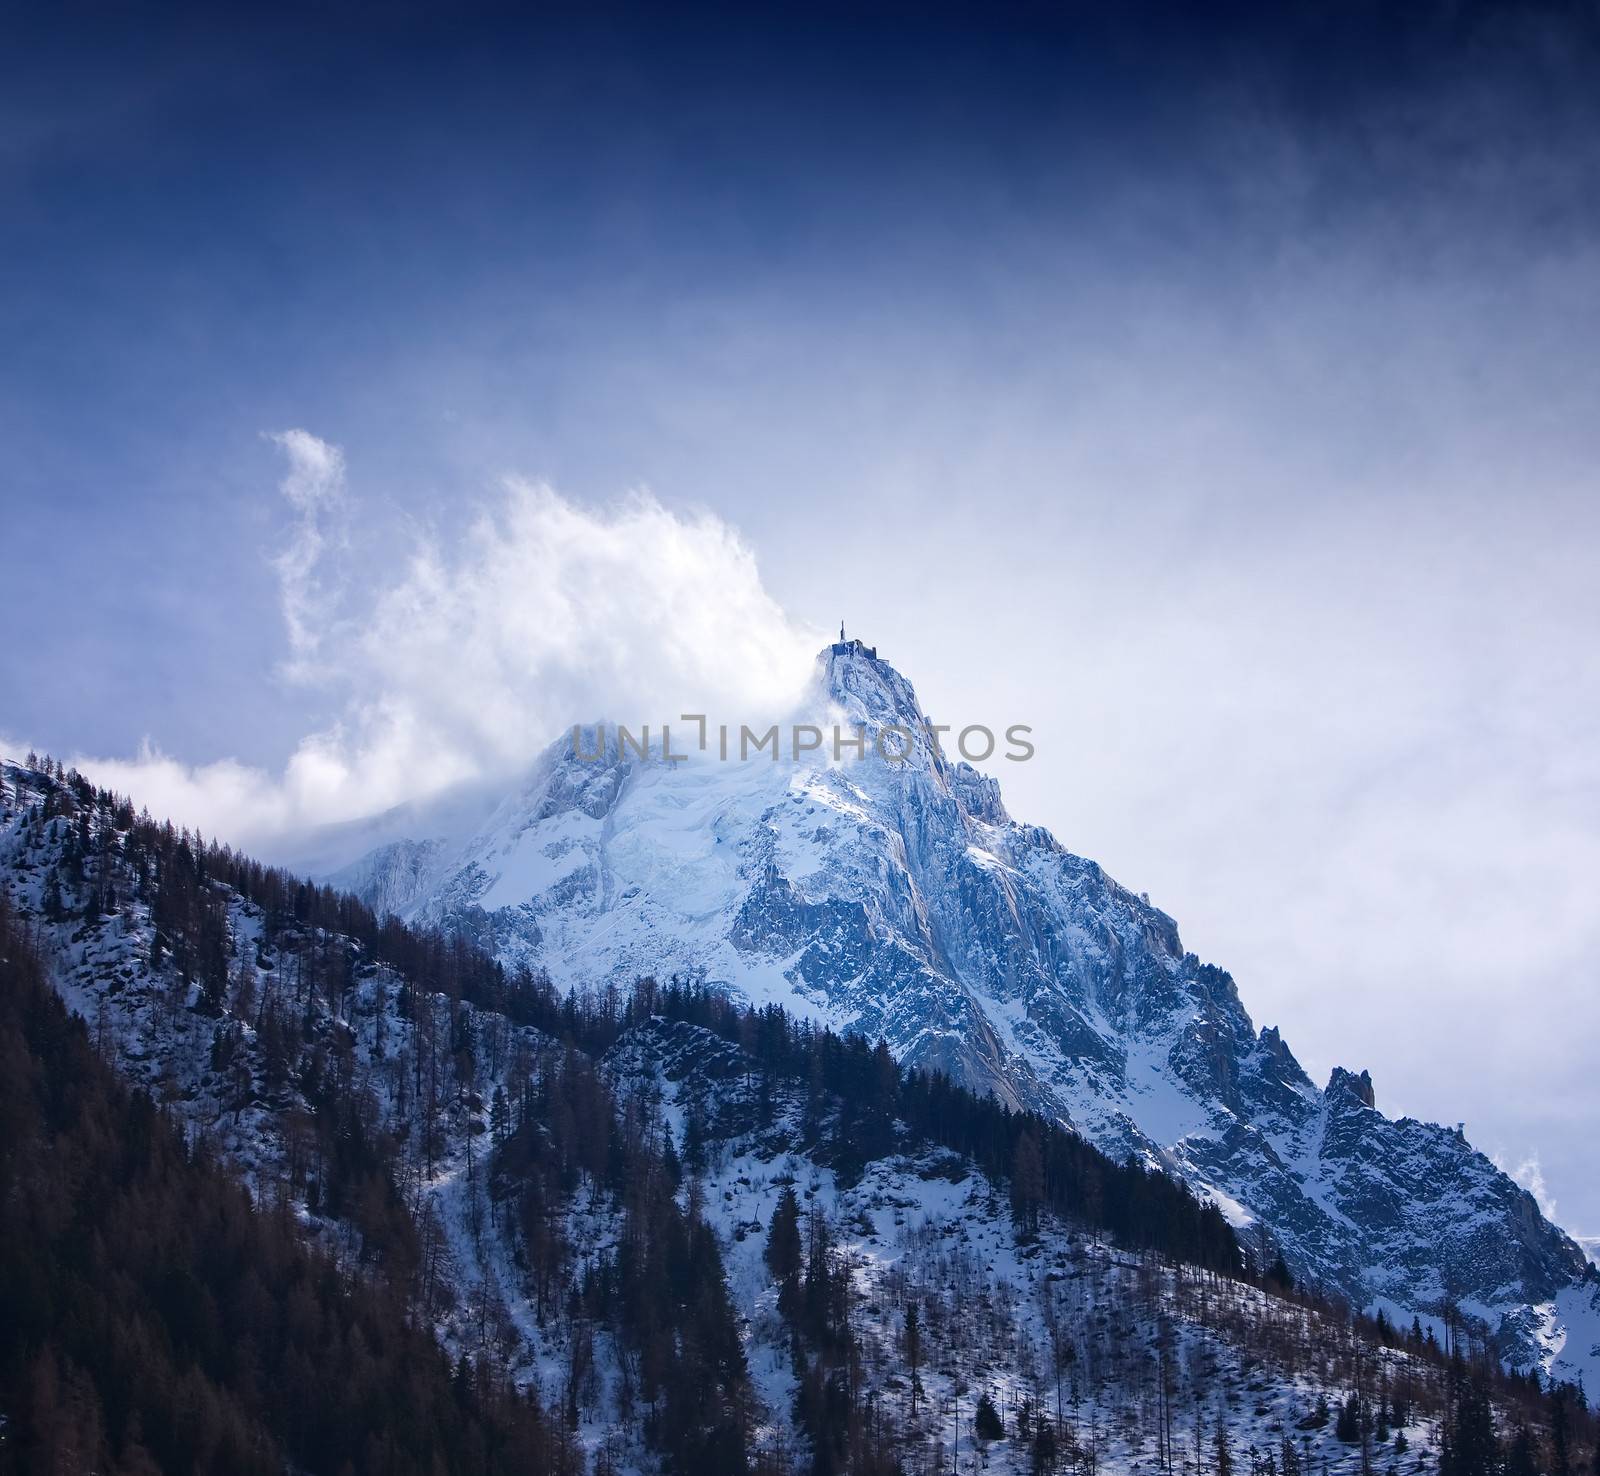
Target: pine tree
{"points": [[912, 1342], [1222, 1452], [822, 1291], [987, 1422], [1348, 1426], [694, 1139], [1027, 1184], [1560, 1455], [784, 1253], [1520, 1460], [1471, 1449], [1044, 1448]]}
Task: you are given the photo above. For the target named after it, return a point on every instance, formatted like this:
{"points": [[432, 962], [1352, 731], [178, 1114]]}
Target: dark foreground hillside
{"points": [[152, 1320]]}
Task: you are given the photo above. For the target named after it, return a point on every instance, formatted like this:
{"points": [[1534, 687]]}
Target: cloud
{"points": [[480, 650], [1530, 1174], [314, 487], [547, 611]]}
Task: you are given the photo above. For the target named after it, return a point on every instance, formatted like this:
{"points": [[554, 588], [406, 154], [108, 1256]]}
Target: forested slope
{"points": [[303, 1188]]}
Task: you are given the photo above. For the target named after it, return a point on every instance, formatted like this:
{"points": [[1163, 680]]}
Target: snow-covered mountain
{"points": [[447, 1143], [900, 899], [488, 1151]]}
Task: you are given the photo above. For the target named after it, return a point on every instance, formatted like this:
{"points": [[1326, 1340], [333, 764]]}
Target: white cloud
{"points": [[481, 650], [314, 487], [1530, 1174]]}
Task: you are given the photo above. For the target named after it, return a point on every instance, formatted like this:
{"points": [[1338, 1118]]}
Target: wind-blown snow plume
{"points": [[480, 650], [1530, 1174], [315, 488]]}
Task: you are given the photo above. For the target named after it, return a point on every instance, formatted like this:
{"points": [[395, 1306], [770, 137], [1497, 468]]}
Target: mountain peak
{"points": [[849, 674], [897, 899], [1359, 1086]]}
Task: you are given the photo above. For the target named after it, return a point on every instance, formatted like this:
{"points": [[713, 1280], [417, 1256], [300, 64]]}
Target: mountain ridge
{"points": [[485, 1147], [902, 900]]}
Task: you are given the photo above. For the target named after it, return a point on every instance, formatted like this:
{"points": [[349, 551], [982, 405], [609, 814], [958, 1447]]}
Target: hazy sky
{"points": [[1219, 396]]}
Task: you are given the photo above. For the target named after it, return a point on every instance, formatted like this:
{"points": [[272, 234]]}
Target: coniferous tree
{"points": [[1560, 1454], [1043, 1454], [784, 1252], [1222, 1450], [1471, 1448], [1520, 1458], [1348, 1425], [1027, 1184], [911, 1340], [987, 1423]]}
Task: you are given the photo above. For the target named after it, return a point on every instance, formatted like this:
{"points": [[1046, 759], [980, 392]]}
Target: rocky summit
{"points": [[894, 895]]}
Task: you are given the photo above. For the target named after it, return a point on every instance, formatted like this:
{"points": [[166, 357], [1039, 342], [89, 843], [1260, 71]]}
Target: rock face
{"points": [[900, 899]]}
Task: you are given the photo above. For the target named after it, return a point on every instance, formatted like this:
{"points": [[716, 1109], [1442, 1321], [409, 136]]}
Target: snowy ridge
{"points": [[1143, 1364], [901, 900]]}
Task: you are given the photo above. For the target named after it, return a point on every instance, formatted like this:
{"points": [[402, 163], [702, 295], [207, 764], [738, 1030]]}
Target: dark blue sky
{"points": [[217, 220], [1213, 387]]}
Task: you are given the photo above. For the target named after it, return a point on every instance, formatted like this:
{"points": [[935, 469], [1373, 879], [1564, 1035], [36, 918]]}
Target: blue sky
{"points": [[1216, 396]]}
